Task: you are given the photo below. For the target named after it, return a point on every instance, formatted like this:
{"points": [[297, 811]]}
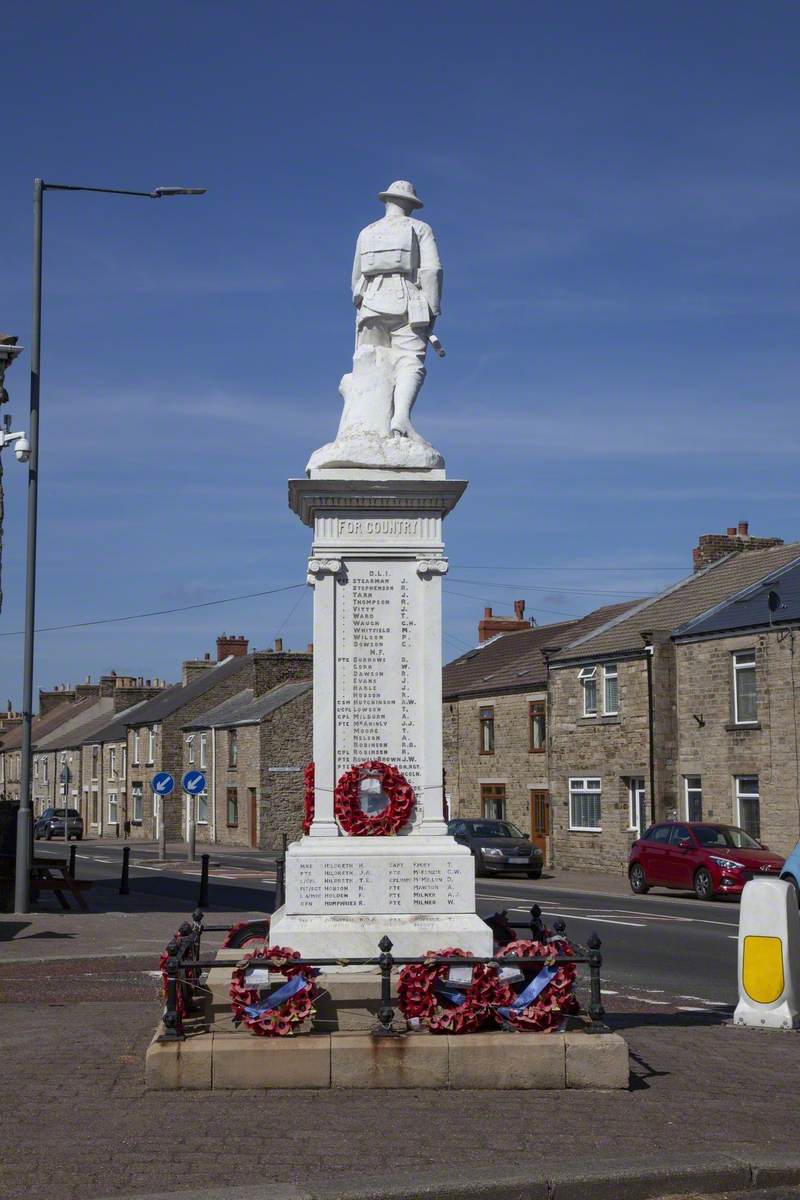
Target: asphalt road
{"points": [[665, 951]]}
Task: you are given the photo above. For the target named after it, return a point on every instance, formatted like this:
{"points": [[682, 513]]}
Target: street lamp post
{"points": [[24, 840]]}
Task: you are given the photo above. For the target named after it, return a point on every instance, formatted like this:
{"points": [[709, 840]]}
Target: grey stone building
{"points": [[636, 713], [252, 749], [495, 714]]}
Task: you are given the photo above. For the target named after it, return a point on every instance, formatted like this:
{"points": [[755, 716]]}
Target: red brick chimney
{"points": [[711, 547], [491, 625], [228, 645]]}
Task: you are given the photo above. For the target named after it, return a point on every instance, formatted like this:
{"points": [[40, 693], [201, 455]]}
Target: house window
{"points": [[123, 760], [190, 749], [202, 751], [693, 788], [36, 766], [493, 801], [137, 747], [748, 807], [233, 806], [610, 690], [95, 762], [113, 814], [486, 721], [151, 745], [137, 803], [744, 688], [202, 808], [637, 808], [112, 762], [95, 807], [44, 768], [588, 679], [233, 747], [537, 726], [584, 804]]}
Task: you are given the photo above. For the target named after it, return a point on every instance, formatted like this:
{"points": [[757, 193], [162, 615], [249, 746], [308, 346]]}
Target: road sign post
{"points": [[193, 783], [162, 785], [64, 778]]}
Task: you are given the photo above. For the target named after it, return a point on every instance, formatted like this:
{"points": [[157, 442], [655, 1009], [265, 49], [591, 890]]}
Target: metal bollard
{"points": [[596, 1010], [202, 896], [385, 1012], [72, 853], [124, 890], [173, 1025], [280, 880]]}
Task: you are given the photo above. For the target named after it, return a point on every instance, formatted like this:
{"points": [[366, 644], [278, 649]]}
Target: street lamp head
{"points": [[9, 349], [158, 192]]}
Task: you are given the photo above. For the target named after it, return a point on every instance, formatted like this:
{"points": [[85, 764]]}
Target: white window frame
{"points": [[738, 668], [633, 802], [739, 795], [586, 785], [689, 785], [203, 743], [588, 675], [96, 762], [137, 793], [45, 771], [137, 746], [190, 749], [123, 762], [36, 766], [610, 672], [151, 745], [201, 797], [113, 808], [112, 762]]}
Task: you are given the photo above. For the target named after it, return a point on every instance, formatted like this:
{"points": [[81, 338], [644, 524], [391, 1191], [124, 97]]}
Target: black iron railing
{"points": [[184, 965]]}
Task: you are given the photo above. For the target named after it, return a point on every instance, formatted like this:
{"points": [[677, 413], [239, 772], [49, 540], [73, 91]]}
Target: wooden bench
{"points": [[43, 880]]}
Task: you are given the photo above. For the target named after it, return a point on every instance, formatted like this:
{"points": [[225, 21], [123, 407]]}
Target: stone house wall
{"points": [[713, 747], [614, 749], [512, 765], [286, 742]]}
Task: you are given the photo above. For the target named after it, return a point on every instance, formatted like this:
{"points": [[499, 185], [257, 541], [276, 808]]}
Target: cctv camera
{"points": [[22, 449]]}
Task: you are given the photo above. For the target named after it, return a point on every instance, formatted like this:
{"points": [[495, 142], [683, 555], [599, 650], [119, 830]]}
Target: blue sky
{"points": [[614, 188]]}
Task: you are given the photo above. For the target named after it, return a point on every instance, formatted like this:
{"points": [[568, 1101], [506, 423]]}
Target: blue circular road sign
{"points": [[194, 782], [162, 783]]}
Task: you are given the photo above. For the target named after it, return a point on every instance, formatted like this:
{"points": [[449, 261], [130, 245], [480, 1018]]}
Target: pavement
{"points": [[710, 1106]]}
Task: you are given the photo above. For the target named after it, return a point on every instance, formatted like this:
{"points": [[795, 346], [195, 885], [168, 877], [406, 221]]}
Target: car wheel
{"points": [[534, 874], [636, 878], [78, 837], [703, 885], [48, 833]]}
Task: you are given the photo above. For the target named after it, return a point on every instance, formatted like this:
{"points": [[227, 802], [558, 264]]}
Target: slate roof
{"points": [[679, 603], [748, 609], [515, 661], [115, 729], [41, 726], [246, 709], [70, 733], [171, 699]]}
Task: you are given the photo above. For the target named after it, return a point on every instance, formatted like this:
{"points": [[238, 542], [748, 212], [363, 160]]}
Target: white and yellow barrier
{"points": [[769, 956]]}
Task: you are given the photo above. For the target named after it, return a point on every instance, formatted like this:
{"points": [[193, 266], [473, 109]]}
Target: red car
{"points": [[709, 859]]}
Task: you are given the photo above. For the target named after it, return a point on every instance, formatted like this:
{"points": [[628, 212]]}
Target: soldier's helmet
{"points": [[401, 189]]}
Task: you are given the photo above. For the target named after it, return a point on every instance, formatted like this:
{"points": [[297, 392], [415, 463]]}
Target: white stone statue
{"points": [[396, 287]]}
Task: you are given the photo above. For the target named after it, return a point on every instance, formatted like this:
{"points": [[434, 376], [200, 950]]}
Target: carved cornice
{"points": [[309, 496]]}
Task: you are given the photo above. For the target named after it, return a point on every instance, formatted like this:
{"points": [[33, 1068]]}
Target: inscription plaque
{"points": [[402, 885]]}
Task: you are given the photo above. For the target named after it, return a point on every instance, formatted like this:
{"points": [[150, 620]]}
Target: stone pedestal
{"points": [[376, 566]]}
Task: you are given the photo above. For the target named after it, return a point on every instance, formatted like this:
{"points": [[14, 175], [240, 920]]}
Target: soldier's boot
{"points": [[406, 390]]}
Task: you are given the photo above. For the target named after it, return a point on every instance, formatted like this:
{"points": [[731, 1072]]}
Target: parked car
{"points": [[51, 824], [710, 859], [498, 846], [791, 870]]}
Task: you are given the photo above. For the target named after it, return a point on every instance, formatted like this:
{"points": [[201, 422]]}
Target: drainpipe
{"points": [[651, 727], [213, 785]]}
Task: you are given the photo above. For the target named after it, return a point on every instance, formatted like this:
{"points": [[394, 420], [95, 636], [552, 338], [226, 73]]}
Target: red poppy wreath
{"points": [[426, 994], [279, 1013], [347, 806], [546, 993]]}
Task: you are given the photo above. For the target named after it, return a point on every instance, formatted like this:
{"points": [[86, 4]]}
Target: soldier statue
{"points": [[397, 285]]}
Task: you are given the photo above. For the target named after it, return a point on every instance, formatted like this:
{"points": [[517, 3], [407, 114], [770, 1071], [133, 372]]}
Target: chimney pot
{"points": [[487, 612], [519, 609], [744, 527], [731, 531], [310, 648], [279, 645]]}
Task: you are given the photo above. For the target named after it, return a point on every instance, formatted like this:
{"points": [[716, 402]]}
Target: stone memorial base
{"points": [[525, 1061]]}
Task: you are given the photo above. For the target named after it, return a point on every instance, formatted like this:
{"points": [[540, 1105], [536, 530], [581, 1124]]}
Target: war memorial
{"points": [[375, 880]]}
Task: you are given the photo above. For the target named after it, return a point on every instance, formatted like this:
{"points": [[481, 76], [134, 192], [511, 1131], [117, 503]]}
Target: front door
{"points": [[253, 818], [540, 821]]}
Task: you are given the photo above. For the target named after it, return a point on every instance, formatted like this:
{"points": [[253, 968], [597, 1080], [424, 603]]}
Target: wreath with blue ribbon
{"points": [[546, 994], [278, 1013]]}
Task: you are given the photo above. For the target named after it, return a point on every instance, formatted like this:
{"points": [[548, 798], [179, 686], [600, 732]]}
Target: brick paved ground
{"points": [[72, 1042]]}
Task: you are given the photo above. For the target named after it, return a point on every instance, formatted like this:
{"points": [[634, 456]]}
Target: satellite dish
{"points": [[773, 601]]}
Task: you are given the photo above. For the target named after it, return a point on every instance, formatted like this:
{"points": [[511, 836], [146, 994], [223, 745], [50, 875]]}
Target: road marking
{"points": [[608, 992], [703, 1000], [104, 860], [644, 1000], [592, 917], [689, 1008]]}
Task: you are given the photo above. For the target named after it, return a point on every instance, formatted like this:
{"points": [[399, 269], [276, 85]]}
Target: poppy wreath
{"points": [[424, 994], [308, 805], [351, 816], [278, 1014], [547, 992]]}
